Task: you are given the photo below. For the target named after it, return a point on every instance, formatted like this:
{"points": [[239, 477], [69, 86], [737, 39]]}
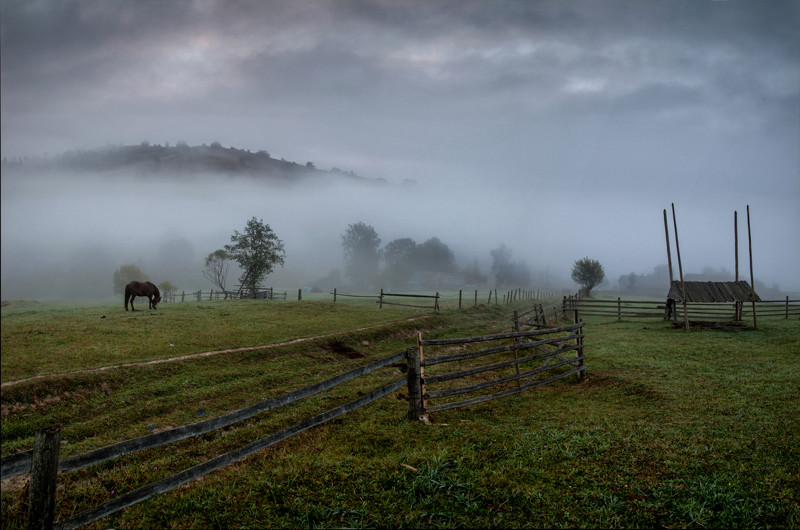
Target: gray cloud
{"points": [[578, 103]]}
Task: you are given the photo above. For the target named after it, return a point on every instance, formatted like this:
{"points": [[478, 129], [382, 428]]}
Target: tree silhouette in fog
{"points": [[126, 274], [360, 244]]}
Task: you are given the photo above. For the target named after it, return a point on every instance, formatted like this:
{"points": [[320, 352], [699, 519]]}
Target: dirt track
{"points": [[8, 384]]}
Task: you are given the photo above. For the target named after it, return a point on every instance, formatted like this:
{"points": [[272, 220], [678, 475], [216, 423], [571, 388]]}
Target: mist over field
{"points": [[560, 129], [64, 235]]}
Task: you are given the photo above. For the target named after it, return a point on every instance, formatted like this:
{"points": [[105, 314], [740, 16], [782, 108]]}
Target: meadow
{"points": [[671, 429]]}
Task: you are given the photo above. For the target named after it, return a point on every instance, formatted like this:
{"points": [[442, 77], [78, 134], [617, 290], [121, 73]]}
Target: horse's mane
{"points": [[157, 293]]}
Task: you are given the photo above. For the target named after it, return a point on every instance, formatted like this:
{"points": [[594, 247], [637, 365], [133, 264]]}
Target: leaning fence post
{"points": [[44, 475]]}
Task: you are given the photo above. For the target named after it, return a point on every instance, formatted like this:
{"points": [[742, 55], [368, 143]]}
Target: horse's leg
{"points": [[126, 300], [132, 297], [150, 301]]}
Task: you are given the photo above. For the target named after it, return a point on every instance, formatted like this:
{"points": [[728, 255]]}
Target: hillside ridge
{"points": [[182, 159]]}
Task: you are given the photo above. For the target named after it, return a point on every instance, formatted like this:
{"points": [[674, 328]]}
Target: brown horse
{"points": [[148, 289]]}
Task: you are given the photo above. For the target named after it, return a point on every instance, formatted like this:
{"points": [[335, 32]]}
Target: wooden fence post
{"points": [[211, 295], [579, 351], [183, 295], [380, 300], [300, 294], [516, 340], [619, 310], [416, 390], [787, 308], [476, 300], [334, 295], [44, 476], [459, 298], [436, 302]]}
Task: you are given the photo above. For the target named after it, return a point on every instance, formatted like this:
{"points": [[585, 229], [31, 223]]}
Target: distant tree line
{"points": [[403, 259]]}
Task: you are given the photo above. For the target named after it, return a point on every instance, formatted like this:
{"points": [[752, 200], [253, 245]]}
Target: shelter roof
{"points": [[714, 292]]}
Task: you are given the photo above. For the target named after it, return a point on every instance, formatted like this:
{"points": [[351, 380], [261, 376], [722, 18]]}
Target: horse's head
{"points": [[156, 300]]}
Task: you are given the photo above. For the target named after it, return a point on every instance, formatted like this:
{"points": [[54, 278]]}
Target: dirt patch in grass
{"points": [[340, 348]]}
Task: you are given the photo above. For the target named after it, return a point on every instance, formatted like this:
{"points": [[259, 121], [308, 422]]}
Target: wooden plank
{"points": [[505, 393], [161, 486], [503, 364], [194, 429], [498, 349], [494, 382], [499, 336], [412, 295]]}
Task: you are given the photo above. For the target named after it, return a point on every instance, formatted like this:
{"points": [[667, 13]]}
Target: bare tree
{"points": [[216, 268]]}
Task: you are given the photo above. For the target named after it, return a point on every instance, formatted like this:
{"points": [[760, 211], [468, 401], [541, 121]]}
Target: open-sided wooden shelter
{"points": [[736, 292]]}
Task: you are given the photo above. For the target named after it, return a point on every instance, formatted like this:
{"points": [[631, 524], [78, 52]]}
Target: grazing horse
{"points": [[148, 289]]}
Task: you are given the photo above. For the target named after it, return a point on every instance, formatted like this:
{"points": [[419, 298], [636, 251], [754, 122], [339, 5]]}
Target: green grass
{"points": [[672, 428]]}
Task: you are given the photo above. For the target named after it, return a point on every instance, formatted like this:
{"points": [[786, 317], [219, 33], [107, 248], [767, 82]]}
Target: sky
{"points": [[559, 128]]}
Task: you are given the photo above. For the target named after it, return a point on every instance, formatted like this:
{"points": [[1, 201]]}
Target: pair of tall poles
{"points": [[736, 253]]}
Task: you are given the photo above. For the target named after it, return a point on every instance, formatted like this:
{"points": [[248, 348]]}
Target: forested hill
{"points": [[182, 159]]}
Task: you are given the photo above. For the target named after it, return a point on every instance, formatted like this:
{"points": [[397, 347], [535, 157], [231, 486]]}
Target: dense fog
{"points": [[560, 129], [64, 235]]}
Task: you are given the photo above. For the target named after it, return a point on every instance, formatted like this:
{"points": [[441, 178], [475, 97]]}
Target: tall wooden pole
{"points": [[736, 243], [669, 254], [752, 282], [680, 269]]}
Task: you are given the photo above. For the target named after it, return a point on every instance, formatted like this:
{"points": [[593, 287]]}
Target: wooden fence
{"points": [[697, 311], [192, 296], [501, 367], [459, 299], [545, 353], [43, 461]]}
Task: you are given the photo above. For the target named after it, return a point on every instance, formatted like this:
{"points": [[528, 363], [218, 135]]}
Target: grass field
{"points": [[671, 429]]}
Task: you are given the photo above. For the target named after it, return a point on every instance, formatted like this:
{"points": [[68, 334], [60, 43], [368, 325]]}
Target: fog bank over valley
{"points": [[65, 233], [146, 133]]}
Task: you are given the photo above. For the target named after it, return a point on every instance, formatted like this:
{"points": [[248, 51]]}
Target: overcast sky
{"points": [[561, 128]]}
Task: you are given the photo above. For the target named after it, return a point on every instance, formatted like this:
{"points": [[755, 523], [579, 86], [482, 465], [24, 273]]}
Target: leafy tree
{"points": [[398, 256], [216, 268], [507, 272], [166, 289], [501, 262], [126, 274], [257, 251], [433, 255], [360, 243], [587, 273]]}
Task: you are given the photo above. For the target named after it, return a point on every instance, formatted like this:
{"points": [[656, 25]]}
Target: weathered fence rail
{"points": [[620, 309], [501, 366], [198, 296], [545, 354], [19, 463]]}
